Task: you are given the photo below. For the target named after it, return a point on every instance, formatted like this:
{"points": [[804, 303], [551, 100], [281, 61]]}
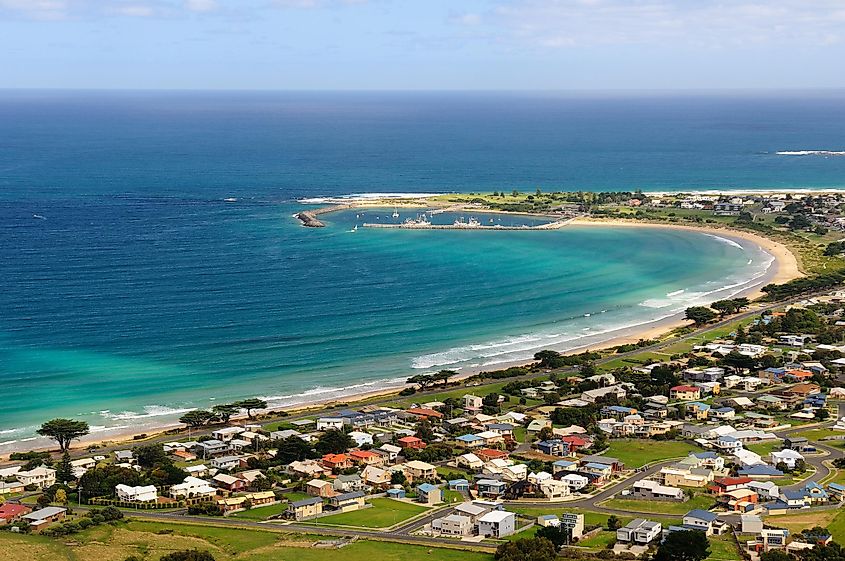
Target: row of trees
{"points": [[222, 413], [702, 315]]}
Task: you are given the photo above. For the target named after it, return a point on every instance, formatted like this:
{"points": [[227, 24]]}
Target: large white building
{"points": [[497, 524], [192, 488], [139, 494]]}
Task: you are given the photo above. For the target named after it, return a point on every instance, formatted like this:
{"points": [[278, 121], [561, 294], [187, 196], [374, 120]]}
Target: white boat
{"points": [[395, 213], [230, 200]]}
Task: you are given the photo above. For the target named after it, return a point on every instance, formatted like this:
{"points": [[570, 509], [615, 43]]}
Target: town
{"points": [[734, 431]]}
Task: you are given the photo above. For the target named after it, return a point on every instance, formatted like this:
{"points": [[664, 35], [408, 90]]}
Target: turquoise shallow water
{"points": [[138, 292], [199, 301]]}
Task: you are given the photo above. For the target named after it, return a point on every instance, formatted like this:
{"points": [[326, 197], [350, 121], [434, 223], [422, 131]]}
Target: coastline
{"points": [[783, 268]]}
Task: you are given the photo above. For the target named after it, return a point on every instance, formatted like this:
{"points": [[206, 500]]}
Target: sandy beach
{"points": [[784, 267]]}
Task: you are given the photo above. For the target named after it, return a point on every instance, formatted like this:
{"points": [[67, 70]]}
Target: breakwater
{"points": [[428, 226]]}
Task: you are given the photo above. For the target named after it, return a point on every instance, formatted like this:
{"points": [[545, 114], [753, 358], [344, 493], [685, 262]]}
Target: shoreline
{"points": [[784, 267]]}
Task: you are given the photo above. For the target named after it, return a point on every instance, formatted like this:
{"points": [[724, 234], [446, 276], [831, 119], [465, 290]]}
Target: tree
{"points": [[225, 411], [830, 552], [613, 523], [250, 405], [424, 431], [738, 361], [776, 555], [533, 549], [822, 414], [150, 455], [422, 380], [196, 418], [64, 431], [61, 497], [724, 307], [799, 222], [443, 376], [557, 535], [699, 315], [334, 442], [100, 481], [292, 449], [549, 359], [546, 433], [188, 555], [683, 546], [64, 471]]}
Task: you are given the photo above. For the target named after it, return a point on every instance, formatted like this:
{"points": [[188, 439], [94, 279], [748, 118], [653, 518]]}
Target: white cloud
{"points": [[700, 23], [36, 9], [201, 5]]}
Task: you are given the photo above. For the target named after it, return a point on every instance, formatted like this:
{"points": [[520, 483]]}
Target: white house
{"points": [[472, 403], [191, 488], [639, 531], [497, 524], [226, 434], [361, 438], [788, 457], [41, 477], [139, 494], [453, 525], [574, 481], [329, 423]]}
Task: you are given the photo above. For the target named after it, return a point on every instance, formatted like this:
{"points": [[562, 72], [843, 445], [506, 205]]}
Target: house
{"points": [[138, 494], [685, 393], [9, 512], [697, 410], [424, 413], [723, 413], [239, 503], [728, 443], [124, 457], [415, 470], [760, 471], [470, 461], [772, 402], [398, 493], [769, 539], [710, 460], [361, 438], [453, 525], [192, 488], [815, 493], [564, 465], [473, 403], [713, 374], [739, 500], [554, 447], [211, 448], [390, 451], [229, 482], [226, 434], [766, 490], [598, 473], [346, 502], [470, 441], [591, 396], [574, 481], [226, 462], [679, 476], [794, 498], [639, 531], [307, 468], [490, 454], [702, 520], [797, 443], [199, 470], [750, 524], [42, 477], [725, 484], [652, 490], [336, 462], [547, 520], [536, 425], [497, 524], [429, 494], [305, 509], [615, 464], [411, 442], [575, 523], [349, 483], [366, 458], [40, 519], [376, 477], [490, 487], [329, 423], [788, 457], [461, 485], [793, 340], [320, 488], [11, 487]]}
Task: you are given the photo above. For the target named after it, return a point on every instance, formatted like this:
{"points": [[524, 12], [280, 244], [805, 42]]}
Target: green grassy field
{"points": [[661, 507], [723, 548], [261, 512], [151, 541], [590, 518], [600, 540], [384, 513], [764, 448], [637, 453], [833, 520]]}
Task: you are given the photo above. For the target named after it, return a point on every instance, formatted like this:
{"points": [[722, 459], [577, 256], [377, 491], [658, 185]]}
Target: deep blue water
{"points": [[142, 292]]}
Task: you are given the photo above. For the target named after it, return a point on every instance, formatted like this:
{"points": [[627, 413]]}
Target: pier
{"points": [[309, 217], [465, 226]]}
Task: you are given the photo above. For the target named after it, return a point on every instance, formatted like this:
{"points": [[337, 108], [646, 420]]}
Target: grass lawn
{"points": [[723, 548], [600, 540], [833, 520], [764, 448], [262, 512], [452, 497], [590, 518], [151, 541], [661, 507], [384, 513], [816, 434], [636, 453]]}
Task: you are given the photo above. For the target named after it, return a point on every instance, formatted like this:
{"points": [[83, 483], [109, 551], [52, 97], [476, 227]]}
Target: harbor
{"points": [[422, 223]]}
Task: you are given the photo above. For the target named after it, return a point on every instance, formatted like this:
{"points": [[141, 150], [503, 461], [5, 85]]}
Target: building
{"points": [[685, 393], [229, 482], [702, 520], [652, 490], [305, 509], [376, 477], [639, 531], [42, 477], [497, 524], [9, 512], [192, 488], [411, 442], [575, 522], [453, 525], [346, 502], [788, 457], [429, 494], [554, 447], [40, 519], [490, 487], [320, 488], [416, 469], [574, 481], [138, 494], [473, 403], [226, 462]]}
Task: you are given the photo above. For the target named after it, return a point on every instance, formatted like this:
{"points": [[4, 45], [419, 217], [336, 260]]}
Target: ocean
{"points": [[131, 289]]}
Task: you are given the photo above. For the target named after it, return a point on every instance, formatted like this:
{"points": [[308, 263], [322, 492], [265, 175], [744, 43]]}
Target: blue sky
{"points": [[425, 44]]}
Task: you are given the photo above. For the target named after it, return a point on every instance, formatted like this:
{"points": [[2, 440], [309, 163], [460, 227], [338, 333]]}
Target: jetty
{"points": [[309, 217], [424, 225]]}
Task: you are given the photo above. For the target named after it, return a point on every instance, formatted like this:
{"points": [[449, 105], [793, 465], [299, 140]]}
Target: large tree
{"points": [[699, 314], [532, 549], [334, 442], [684, 546], [188, 555], [64, 470], [196, 418], [251, 405], [225, 411], [64, 431]]}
